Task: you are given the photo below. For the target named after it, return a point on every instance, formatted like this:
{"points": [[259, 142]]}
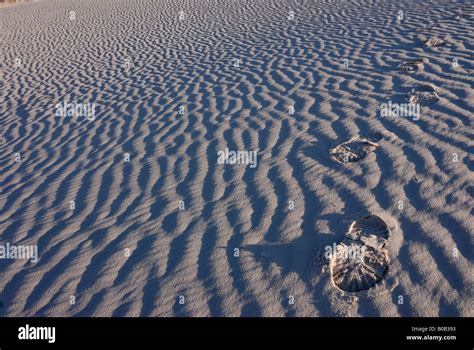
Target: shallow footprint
{"points": [[466, 12], [423, 95], [356, 267], [434, 42], [426, 28], [413, 65], [371, 230], [353, 150]]}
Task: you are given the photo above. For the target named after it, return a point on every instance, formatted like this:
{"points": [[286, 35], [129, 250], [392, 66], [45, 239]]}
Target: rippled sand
{"points": [[172, 232]]}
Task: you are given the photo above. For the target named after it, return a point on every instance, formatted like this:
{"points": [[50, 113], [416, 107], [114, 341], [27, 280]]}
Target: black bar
{"points": [[371, 331]]}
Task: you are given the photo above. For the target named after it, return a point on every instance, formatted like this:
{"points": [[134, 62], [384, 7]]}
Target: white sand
{"points": [[426, 164]]}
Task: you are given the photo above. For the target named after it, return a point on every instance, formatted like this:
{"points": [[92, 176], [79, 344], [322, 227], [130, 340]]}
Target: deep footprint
{"points": [[360, 260], [357, 267], [353, 150]]}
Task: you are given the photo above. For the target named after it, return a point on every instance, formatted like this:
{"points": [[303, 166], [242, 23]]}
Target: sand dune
{"points": [[132, 213]]}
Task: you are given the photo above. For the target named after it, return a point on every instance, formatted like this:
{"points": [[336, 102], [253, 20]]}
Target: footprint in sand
{"points": [[370, 230], [423, 95], [358, 267], [434, 42], [466, 12], [360, 260], [413, 65], [426, 28], [353, 150]]}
